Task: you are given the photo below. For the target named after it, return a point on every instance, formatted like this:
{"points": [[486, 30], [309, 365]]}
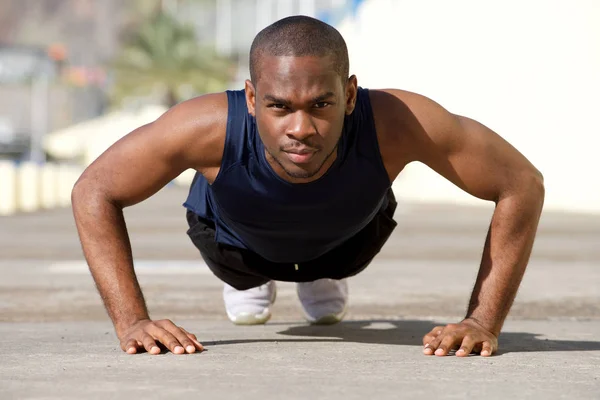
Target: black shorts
{"points": [[244, 269]]}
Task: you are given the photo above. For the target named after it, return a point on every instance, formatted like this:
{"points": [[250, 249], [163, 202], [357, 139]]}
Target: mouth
{"points": [[300, 156]]}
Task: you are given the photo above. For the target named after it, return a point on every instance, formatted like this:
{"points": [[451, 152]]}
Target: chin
{"points": [[300, 173], [295, 171]]}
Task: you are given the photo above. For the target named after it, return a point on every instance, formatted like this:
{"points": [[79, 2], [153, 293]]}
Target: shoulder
{"points": [[402, 106], [405, 122], [203, 114], [197, 127]]}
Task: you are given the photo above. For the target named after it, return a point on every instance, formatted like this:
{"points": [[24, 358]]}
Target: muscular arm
{"points": [[133, 169], [480, 162]]}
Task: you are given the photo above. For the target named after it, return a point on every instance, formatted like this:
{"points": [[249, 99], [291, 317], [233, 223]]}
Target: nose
{"points": [[301, 126]]}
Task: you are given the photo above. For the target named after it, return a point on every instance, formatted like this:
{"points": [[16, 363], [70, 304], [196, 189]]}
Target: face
{"points": [[299, 104]]}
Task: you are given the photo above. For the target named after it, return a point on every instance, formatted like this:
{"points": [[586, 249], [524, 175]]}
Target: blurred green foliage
{"points": [[162, 58]]}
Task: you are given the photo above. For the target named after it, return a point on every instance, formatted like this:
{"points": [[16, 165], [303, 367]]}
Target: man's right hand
{"points": [[149, 335]]}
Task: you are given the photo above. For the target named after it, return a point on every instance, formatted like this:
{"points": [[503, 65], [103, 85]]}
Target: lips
{"points": [[300, 156]]}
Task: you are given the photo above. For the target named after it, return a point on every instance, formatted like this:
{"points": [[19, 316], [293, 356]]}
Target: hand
{"points": [[146, 333], [468, 335]]}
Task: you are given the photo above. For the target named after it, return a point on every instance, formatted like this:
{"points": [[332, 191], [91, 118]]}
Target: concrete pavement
{"points": [[58, 343], [354, 360]]}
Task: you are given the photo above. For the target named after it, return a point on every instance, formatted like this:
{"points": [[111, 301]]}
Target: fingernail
{"points": [[461, 351], [178, 348], [190, 349], [426, 346], [154, 349], [439, 352]]}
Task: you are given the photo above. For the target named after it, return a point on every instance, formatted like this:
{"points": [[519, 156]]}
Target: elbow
{"points": [[85, 192], [538, 175], [532, 186], [538, 183], [527, 186], [80, 190], [77, 192], [524, 190]]}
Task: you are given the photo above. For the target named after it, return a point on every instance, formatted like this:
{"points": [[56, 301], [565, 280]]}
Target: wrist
{"points": [[123, 326], [478, 323]]}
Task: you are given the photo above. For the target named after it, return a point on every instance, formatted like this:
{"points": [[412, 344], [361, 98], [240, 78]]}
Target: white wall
{"points": [[530, 70]]}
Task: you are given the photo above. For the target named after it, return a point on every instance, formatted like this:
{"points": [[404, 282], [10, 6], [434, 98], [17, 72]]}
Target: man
{"points": [[293, 184]]}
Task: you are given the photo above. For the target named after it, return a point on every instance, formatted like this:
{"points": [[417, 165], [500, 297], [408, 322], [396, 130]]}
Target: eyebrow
{"points": [[322, 97], [270, 97], [278, 100]]}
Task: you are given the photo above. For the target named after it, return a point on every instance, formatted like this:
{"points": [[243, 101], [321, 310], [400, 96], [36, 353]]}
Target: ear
{"points": [[351, 93], [250, 97]]}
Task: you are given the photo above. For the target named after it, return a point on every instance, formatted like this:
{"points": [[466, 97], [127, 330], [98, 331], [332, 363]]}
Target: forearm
{"points": [[107, 249], [506, 253]]}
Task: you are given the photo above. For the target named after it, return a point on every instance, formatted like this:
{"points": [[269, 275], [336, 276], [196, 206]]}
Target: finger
{"points": [[477, 348], [190, 335], [194, 339], [449, 342], [198, 345], [429, 338], [432, 334], [466, 347], [487, 349], [428, 349], [150, 344], [432, 346], [166, 338], [131, 346], [183, 338], [188, 340]]}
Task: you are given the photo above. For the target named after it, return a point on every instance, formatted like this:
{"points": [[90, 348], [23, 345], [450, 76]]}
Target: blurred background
{"points": [[76, 75]]}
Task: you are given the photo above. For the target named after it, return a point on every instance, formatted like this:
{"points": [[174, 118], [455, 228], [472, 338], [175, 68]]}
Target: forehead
{"points": [[297, 77]]}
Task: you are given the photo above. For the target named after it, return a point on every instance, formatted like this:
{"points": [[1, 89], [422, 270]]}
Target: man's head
{"points": [[299, 93]]}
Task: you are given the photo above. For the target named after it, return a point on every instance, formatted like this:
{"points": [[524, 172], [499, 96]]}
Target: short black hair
{"points": [[299, 36]]}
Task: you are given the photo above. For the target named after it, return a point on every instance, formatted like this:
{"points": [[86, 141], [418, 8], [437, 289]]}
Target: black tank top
{"points": [[255, 209]]}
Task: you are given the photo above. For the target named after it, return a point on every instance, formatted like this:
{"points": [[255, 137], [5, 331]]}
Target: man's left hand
{"points": [[467, 336]]}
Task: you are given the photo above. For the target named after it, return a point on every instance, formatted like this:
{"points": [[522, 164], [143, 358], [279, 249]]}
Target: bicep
{"points": [[145, 160], [464, 151], [135, 167], [477, 159]]}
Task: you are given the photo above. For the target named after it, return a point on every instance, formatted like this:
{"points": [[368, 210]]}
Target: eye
{"points": [[322, 104], [278, 106]]}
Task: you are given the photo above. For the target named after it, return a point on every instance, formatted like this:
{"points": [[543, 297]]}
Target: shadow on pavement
{"points": [[410, 333]]}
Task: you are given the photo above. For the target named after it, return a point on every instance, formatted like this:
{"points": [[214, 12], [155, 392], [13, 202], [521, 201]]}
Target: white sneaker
{"points": [[249, 307], [324, 300]]}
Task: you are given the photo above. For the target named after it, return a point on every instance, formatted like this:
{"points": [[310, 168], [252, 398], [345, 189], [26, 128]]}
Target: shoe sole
{"points": [[330, 319], [250, 319], [253, 319]]}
